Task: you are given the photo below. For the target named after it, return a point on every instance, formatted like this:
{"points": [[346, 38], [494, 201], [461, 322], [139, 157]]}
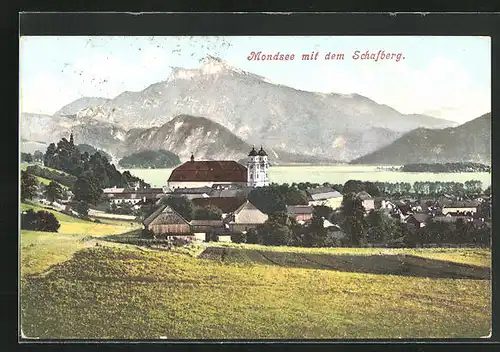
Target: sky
{"points": [[446, 77]]}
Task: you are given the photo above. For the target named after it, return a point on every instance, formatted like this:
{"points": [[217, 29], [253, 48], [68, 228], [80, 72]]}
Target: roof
{"points": [[227, 193], [299, 209], [321, 193], [226, 204], [253, 152], [262, 152], [364, 195], [420, 217], [194, 190], [216, 171], [206, 223], [246, 206], [451, 218], [171, 216], [463, 204]]}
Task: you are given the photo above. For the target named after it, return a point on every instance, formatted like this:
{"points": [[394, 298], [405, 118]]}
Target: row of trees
{"points": [[447, 167], [36, 157]]}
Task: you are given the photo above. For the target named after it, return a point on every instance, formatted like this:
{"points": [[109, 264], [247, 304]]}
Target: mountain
{"points": [[334, 126], [470, 142], [80, 104], [207, 140], [36, 129]]}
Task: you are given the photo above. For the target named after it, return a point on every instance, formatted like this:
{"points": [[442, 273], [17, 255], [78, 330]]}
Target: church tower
{"points": [[257, 168]]}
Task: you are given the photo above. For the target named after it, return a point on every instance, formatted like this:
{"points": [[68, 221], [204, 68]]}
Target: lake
{"points": [[339, 174]]}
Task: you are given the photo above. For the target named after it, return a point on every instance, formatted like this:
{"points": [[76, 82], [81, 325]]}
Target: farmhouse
{"points": [[418, 220], [226, 204], [324, 196], [166, 221], [301, 213], [245, 217], [461, 208], [367, 199]]}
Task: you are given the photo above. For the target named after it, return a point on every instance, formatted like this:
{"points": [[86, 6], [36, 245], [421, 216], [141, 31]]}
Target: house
{"points": [[452, 219], [367, 199], [247, 216], [206, 226], [166, 221], [418, 220], [300, 212], [461, 208], [324, 196], [132, 196], [225, 204], [383, 203]]}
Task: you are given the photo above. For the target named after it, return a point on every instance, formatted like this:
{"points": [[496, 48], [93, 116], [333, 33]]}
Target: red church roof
{"points": [[216, 171]]}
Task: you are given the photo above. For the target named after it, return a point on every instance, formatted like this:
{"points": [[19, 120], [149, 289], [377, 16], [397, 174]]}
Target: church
{"points": [[196, 174]]}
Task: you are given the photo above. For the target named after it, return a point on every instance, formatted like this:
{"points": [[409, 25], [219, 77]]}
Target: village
{"points": [[222, 193]]}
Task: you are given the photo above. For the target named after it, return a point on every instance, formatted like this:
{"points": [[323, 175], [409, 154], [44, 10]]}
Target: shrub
{"points": [[39, 221]]}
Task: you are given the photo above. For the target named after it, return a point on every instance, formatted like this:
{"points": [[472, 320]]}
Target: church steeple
{"points": [[192, 157], [71, 141], [257, 168]]}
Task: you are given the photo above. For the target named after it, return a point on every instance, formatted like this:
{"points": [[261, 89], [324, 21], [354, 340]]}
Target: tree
{"points": [[48, 158], [267, 199], [26, 157], [87, 189], [182, 205], [207, 213], [82, 208], [47, 222], [53, 191], [322, 211], [38, 156], [39, 221], [28, 185], [487, 191], [354, 223], [353, 186], [380, 228], [315, 235], [273, 233], [29, 220], [283, 218]]}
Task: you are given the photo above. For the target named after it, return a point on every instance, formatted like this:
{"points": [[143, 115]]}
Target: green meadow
{"points": [[79, 284]]}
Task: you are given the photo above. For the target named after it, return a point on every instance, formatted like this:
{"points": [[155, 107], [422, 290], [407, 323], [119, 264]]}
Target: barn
{"points": [[166, 221]]}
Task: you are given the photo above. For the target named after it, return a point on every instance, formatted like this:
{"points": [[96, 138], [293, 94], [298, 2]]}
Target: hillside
{"points": [[38, 131], [207, 140], [92, 150], [74, 107], [470, 142], [150, 159], [147, 294], [335, 126]]}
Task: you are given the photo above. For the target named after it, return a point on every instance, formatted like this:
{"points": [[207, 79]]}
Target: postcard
{"points": [[255, 187]]}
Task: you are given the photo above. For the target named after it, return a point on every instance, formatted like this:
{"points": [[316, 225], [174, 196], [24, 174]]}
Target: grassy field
{"points": [[40, 250], [42, 180], [120, 291]]}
